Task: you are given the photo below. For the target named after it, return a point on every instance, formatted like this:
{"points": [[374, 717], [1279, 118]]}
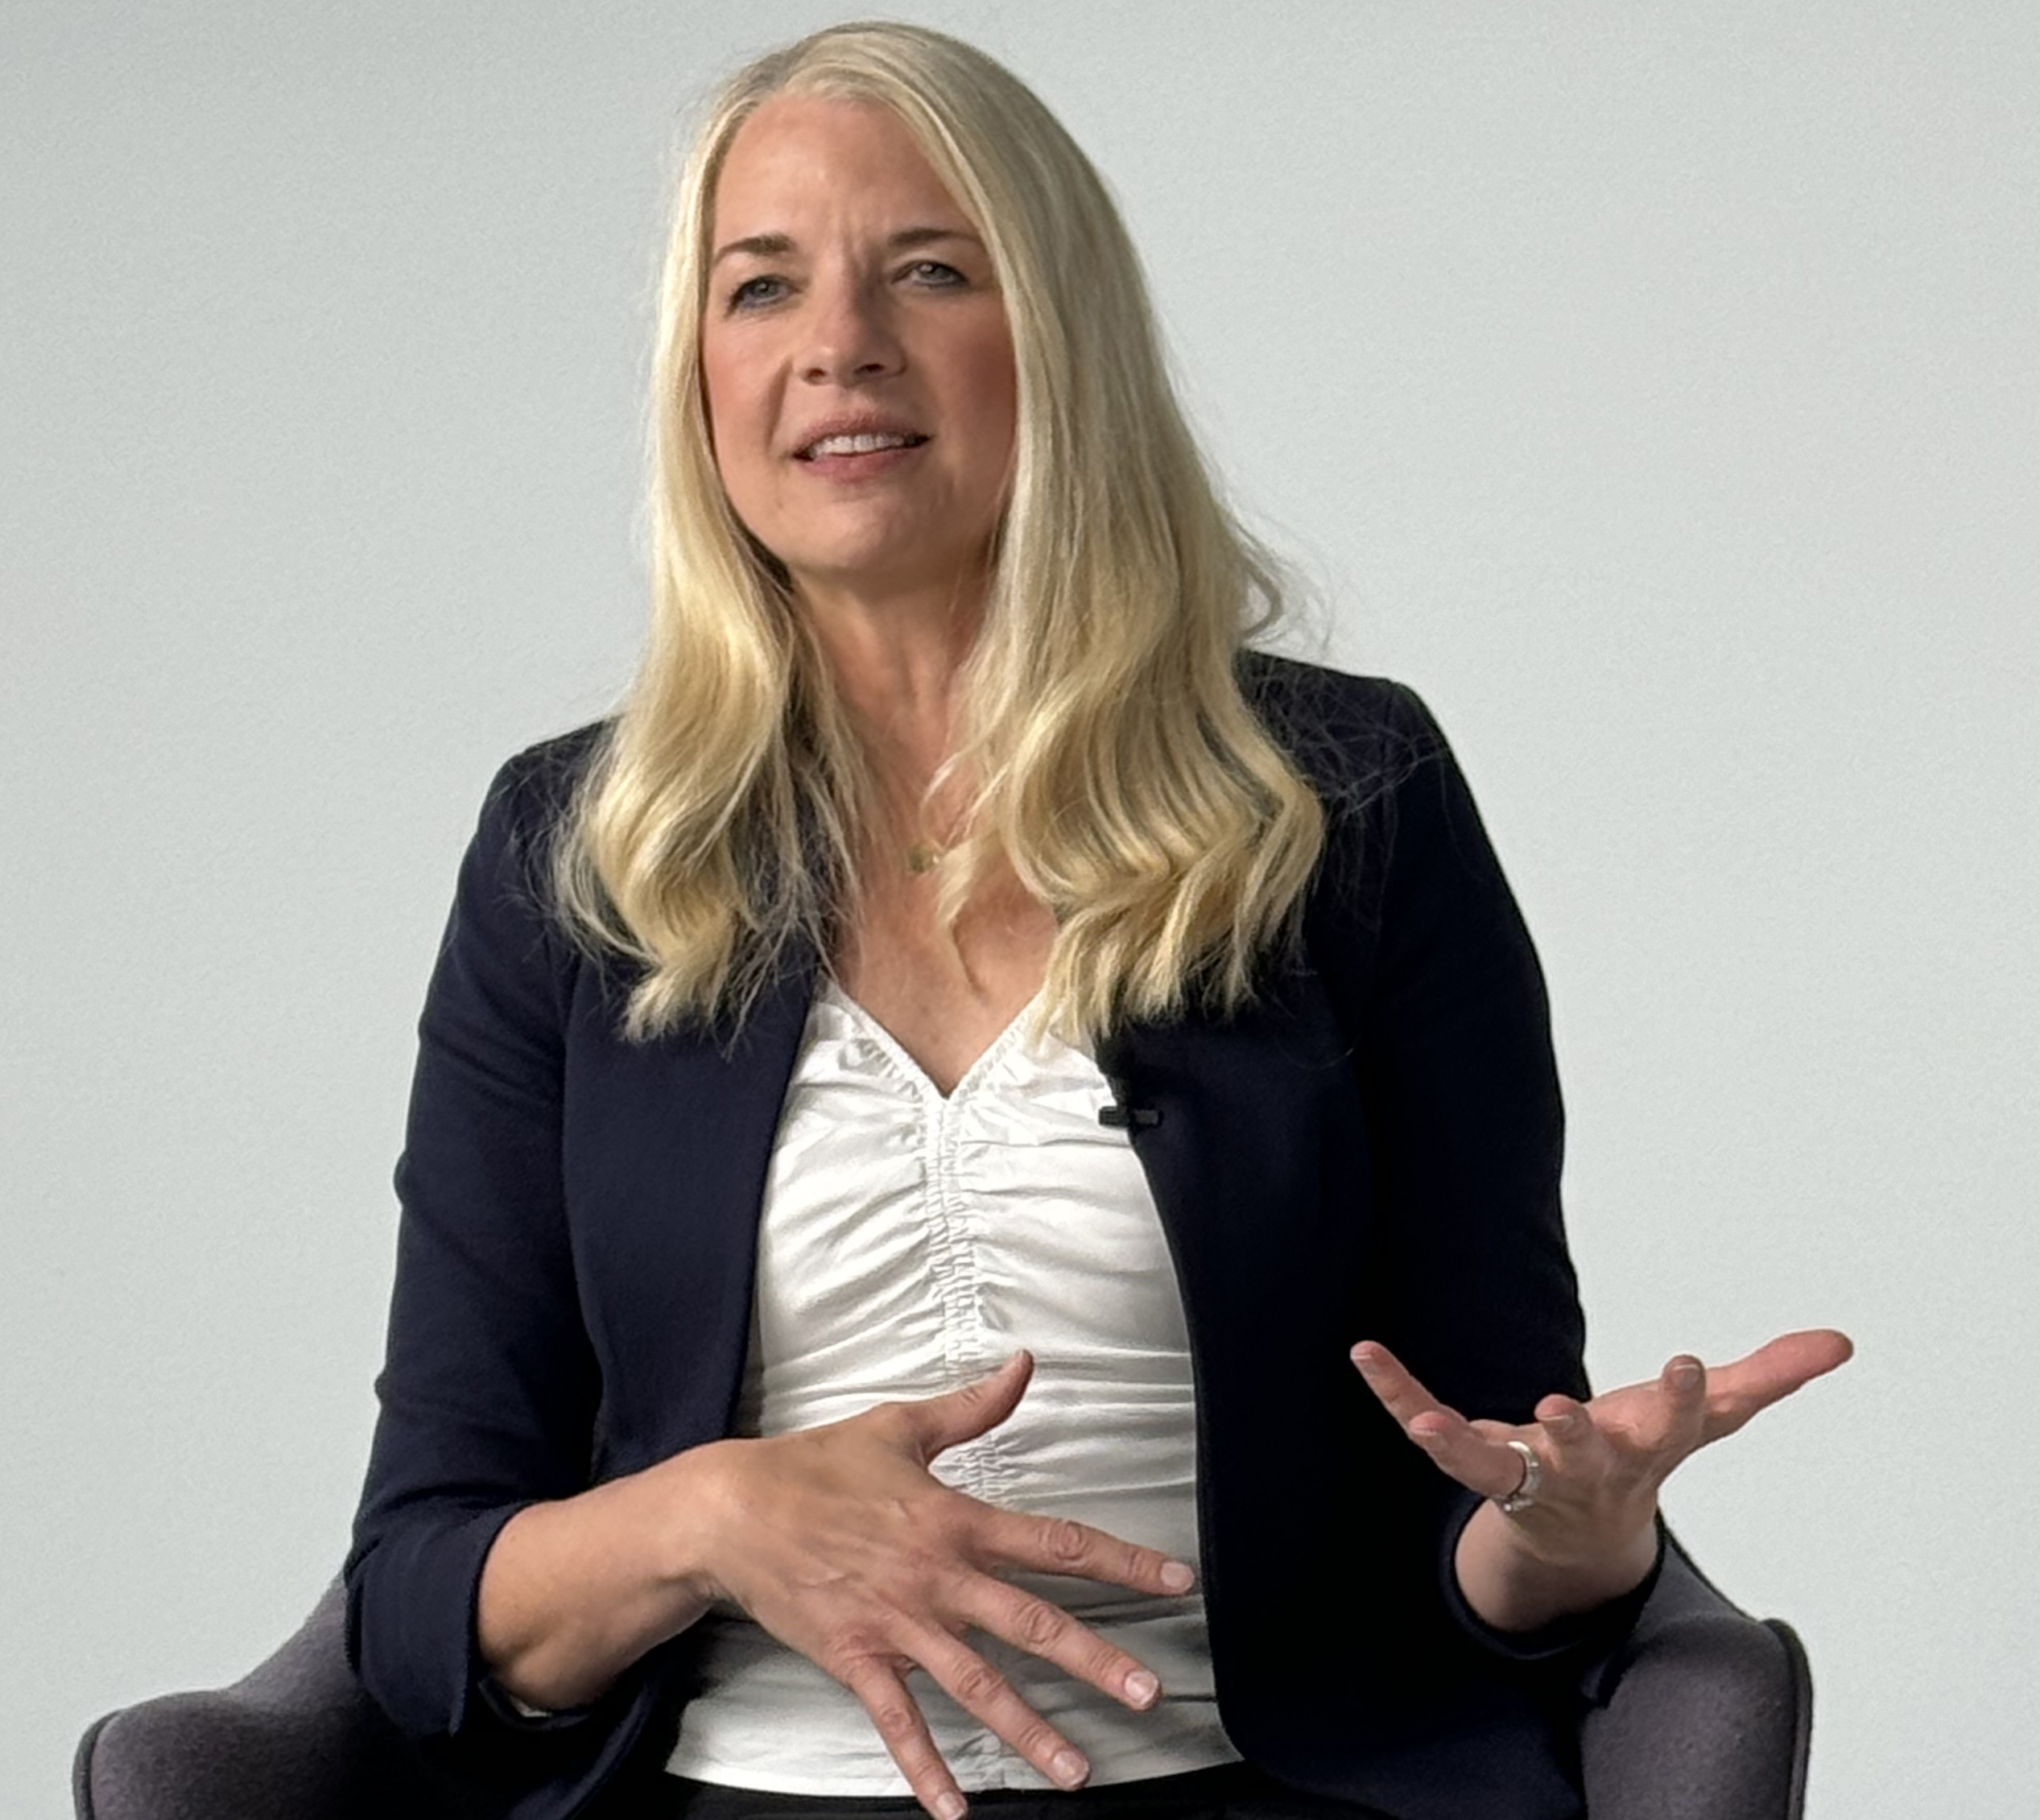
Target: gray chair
{"points": [[1703, 1715]]}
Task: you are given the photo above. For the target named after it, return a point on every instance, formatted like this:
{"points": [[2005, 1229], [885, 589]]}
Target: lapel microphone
{"points": [[1121, 1116]]}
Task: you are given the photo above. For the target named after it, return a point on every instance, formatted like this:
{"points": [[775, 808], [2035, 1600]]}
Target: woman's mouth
{"points": [[862, 442]]}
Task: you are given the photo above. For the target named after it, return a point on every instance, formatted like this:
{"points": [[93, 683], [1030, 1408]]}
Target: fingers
{"points": [[976, 1600], [1689, 1405], [1601, 1464], [1568, 1441], [1632, 1439], [1056, 1545], [1773, 1372], [857, 1557], [1042, 1629], [980, 1690], [1684, 1382], [1669, 1421], [1393, 1382], [1686, 1406], [937, 1423], [976, 1686], [1477, 1454], [899, 1723]]}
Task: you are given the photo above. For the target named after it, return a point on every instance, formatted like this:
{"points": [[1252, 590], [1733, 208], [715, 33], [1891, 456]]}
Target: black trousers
{"points": [[1233, 1791]]}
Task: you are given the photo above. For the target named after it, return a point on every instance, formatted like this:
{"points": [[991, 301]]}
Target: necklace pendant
{"points": [[922, 857]]}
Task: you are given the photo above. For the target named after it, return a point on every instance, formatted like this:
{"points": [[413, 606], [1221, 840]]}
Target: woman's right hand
{"points": [[841, 1542]]}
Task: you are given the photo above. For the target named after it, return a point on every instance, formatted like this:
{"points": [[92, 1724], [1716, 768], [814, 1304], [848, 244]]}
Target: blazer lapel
{"points": [[1259, 1139], [1247, 1110], [672, 1142]]}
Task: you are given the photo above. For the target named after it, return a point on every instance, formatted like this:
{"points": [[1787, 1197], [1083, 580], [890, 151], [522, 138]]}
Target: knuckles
{"points": [[849, 1652], [1038, 1626], [1104, 1666], [1064, 1542], [896, 1721], [977, 1684]]}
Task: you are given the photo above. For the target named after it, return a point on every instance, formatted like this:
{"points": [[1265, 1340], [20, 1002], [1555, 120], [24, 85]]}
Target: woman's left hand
{"points": [[1587, 1533]]}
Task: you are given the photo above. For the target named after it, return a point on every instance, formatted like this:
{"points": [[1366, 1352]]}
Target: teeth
{"points": [[865, 444]]}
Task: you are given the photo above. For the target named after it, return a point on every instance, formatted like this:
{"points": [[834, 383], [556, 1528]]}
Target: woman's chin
{"points": [[902, 570]]}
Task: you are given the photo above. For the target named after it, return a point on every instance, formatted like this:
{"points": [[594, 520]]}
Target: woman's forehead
{"points": [[805, 158]]}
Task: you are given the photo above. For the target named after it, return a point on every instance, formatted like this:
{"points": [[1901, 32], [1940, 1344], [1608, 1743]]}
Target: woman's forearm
{"points": [[575, 1589], [1512, 1586]]}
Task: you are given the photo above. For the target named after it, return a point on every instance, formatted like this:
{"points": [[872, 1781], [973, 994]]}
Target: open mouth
{"points": [[864, 442]]}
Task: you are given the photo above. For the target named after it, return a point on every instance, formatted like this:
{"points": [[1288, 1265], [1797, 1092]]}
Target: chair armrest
{"points": [[1705, 1713], [296, 1736]]}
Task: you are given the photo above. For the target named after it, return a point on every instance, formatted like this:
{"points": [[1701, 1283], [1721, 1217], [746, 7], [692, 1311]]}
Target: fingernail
{"points": [[1176, 1577], [1685, 1375], [1069, 1769], [951, 1806], [1141, 1687]]}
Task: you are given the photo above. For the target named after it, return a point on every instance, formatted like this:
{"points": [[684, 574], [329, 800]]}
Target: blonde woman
{"points": [[915, 1115]]}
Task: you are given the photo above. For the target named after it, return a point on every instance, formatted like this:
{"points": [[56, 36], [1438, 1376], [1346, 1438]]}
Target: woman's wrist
{"points": [[683, 1504], [575, 1590], [1516, 1578]]}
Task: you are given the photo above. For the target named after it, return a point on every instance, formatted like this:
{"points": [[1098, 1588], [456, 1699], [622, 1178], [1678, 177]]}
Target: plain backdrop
{"points": [[1653, 386]]}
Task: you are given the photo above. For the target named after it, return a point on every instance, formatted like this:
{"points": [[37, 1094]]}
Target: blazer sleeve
{"points": [[1452, 1038], [490, 1387]]}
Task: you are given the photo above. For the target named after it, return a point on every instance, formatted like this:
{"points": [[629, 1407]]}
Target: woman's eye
{"points": [[753, 291], [933, 272]]}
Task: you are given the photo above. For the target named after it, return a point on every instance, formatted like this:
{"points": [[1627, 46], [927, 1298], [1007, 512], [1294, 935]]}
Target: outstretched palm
{"points": [[1601, 1463]]}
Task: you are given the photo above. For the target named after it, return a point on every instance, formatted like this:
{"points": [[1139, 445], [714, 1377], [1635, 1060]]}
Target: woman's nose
{"points": [[852, 338]]}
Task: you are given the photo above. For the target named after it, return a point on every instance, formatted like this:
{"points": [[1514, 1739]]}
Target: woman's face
{"points": [[855, 352]]}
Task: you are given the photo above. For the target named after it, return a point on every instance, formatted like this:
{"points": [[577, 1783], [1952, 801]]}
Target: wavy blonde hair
{"points": [[1109, 753]]}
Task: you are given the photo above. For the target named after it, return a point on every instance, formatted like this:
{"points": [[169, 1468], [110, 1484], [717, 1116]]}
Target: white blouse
{"points": [[909, 1243]]}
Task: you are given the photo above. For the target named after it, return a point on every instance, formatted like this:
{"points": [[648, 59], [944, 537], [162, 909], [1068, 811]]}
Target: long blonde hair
{"points": [[1110, 755]]}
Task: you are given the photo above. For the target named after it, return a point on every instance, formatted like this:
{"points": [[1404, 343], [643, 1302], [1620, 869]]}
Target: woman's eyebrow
{"points": [[765, 245], [773, 245], [908, 237]]}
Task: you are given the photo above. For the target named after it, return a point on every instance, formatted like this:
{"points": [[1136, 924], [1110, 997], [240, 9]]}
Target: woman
{"points": [[960, 950]]}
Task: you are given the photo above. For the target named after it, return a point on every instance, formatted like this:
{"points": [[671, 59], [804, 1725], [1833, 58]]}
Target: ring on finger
{"points": [[1525, 1494]]}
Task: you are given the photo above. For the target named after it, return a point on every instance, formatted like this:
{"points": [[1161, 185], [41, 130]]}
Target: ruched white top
{"points": [[910, 1243]]}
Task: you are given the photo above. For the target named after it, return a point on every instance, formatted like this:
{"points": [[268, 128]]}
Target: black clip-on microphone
{"points": [[1121, 1116]]}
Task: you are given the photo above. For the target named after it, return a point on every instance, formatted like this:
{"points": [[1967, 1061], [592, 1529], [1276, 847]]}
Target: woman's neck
{"points": [[895, 663]]}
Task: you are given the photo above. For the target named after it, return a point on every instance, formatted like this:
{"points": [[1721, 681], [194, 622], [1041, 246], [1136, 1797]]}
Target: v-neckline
{"points": [[988, 1058]]}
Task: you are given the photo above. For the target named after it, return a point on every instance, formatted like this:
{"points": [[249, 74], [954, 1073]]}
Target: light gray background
{"points": [[1653, 386]]}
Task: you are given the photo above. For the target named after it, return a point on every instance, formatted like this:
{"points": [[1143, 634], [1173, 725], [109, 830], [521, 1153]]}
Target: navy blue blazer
{"points": [[1370, 1150]]}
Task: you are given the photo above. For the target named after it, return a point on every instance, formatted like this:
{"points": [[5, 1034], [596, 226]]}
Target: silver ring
{"points": [[1525, 1494]]}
